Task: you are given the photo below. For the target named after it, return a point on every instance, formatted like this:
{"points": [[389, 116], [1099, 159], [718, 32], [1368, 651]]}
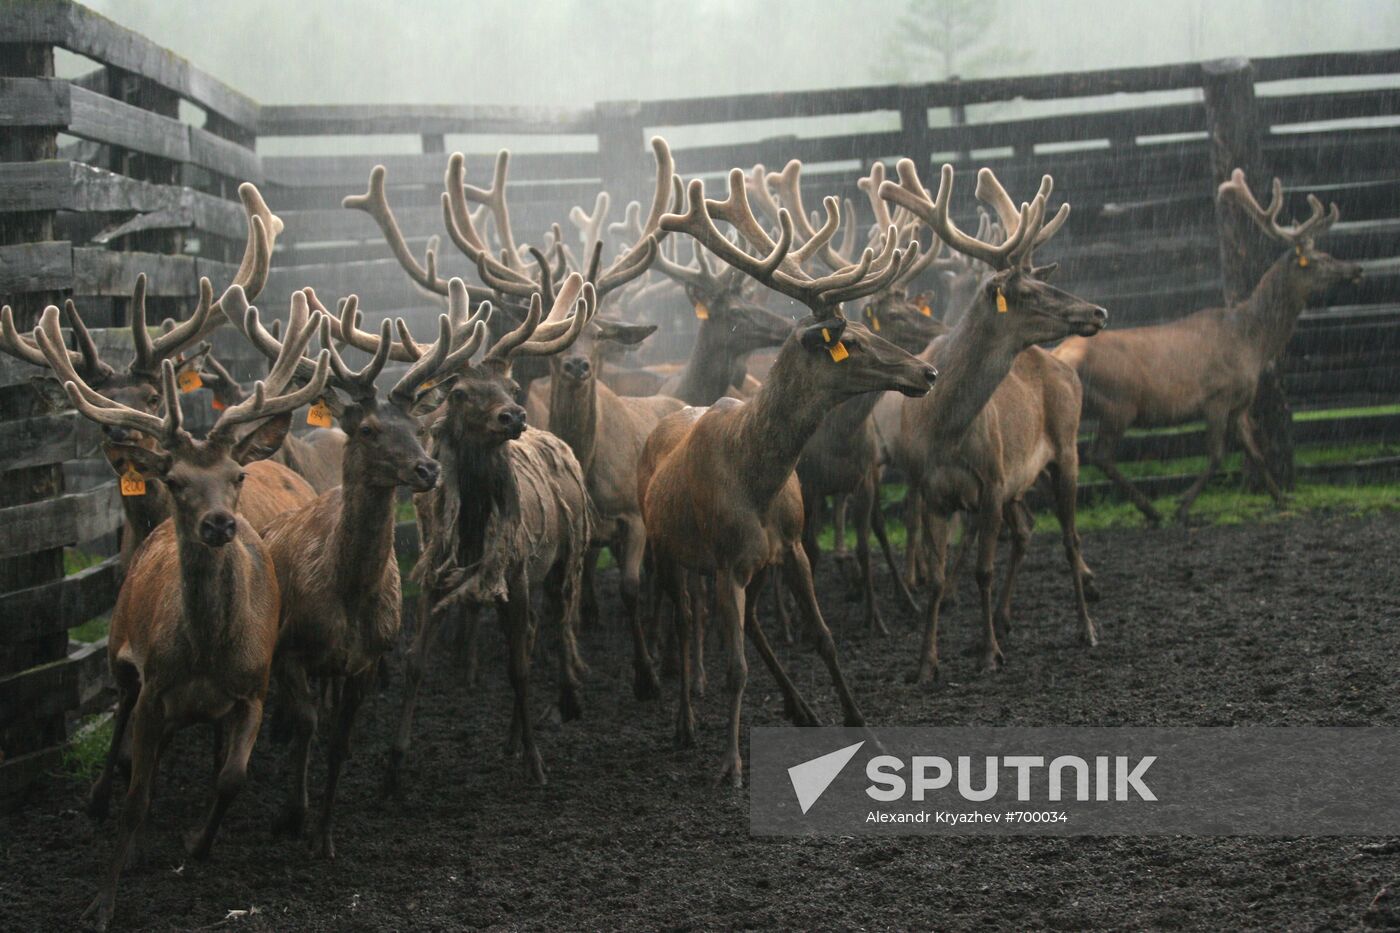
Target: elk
{"points": [[718, 489], [317, 456], [1006, 409], [195, 623], [271, 488], [1207, 364], [334, 556], [511, 515]]}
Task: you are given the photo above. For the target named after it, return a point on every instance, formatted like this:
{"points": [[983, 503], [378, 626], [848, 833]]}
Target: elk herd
{"points": [[260, 566]]}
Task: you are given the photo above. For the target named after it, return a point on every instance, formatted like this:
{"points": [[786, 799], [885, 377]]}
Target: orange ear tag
{"points": [[702, 312], [132, 483], [838, 351], [826, 335], [216, 404], [874, 322], [189, 380], [319, 415], [1302, 260], [926, 311], [1001, 302]]}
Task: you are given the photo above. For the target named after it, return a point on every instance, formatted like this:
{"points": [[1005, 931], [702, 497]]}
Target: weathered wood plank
{"points": [[78, 29], [420, 119], [102, 272], [351, 172], [60, 605], [43, 690], [104, 119], [21, 771], [45, 439], [36, 267], [59, 522], [34, 102]]}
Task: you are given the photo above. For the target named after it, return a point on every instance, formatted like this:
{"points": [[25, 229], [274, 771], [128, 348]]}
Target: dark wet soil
{"points": [[1285, 624]]}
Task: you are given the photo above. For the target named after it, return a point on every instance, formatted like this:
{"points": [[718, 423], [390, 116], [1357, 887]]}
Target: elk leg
{"points": [[967, 541], [1101, 455], [471, 643], [645, 684], [863, 500], [729, 599], [246, 721], [147, 726], [415, 664], [877, 523], [795, 708], [780, 609], [1066, 489], [515, 616], [927, 671], [798, 574], [1215, 452], [1020, 525], [589, 613], [557, 610], [301, 708], [672, 581], [913, 536], [129, 685], [988, 530], [1244, 426], [701, 602], [353, 690]]}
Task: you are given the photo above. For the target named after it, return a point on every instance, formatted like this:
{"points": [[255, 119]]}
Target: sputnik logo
{"points": [[811, 778]]}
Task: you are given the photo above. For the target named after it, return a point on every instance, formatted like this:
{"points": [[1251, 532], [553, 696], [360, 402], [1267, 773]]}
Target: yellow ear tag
{"points": [[826, 335], [1302, 260], [131, 482], [838, 351], [1001, 302], [189, 380], [319, 415], [702, 312], [926, 311], [874, 322]]}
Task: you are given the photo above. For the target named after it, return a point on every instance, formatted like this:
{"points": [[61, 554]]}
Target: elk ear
{"points": [[626, 334], [151, 464], [264, 440], [1043, 273], [822, 335]]}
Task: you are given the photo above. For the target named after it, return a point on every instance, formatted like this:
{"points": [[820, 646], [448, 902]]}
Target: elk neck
{"points": [[709, 369], [774, 427], [1267, 317], [573, 414], [480, 476], [972, 360], [212, 588], [364, 536]]}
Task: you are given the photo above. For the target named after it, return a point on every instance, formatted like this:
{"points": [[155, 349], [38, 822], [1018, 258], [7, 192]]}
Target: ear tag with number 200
{"points": [[132, 482], [319, 415]]}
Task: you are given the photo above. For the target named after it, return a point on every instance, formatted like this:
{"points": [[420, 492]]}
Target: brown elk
{"points": [[1207, 364], [511, 515], [335, 556], [1005, 409], [270, 488], [317, 456], [718, 488], [195, 624]]}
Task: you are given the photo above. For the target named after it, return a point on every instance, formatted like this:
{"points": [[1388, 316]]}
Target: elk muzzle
{"points": [[511, 421], [217, 528], [425, 474], [577, 368]]}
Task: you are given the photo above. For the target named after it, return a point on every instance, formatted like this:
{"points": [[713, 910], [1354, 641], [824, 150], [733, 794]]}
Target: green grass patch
{"points": [[1307, 455], [87, 751], [90, 631], [1321, 414], [76, 560], [404, 512]]}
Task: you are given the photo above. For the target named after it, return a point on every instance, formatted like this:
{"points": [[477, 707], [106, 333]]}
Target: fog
{"points": [[570, 52]]}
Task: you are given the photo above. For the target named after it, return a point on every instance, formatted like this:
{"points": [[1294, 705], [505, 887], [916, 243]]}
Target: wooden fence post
{"points": [[1232, 117], [22, 736], [621, 148]]}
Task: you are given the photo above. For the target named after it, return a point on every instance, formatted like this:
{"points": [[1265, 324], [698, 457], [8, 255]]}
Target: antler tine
{"points": [[636, 258], [631, 223], [20, 347], [911, 194], [870, 184], [421, 371], [257, 254], [789, 185], [375, 203], [301, 324], [495, 199], [818, 241], [582, 315], [289, 364], [93, 366], [345, 328], [501, 350], [692, 276], [91, 403], [757, 183], [990, 191], [591, 225], [259, 405], [473, 338], [1320, 221]]}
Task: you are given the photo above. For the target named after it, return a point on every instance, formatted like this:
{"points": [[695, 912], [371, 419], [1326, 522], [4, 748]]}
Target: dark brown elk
{"points": [[718, 488], [1207, 364], [334, 557], [195, 625], [510, 517], [1005, 410], [271, 488]]}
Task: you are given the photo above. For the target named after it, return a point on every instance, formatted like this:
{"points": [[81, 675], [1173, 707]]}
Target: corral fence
{"points": [[133, 167]]}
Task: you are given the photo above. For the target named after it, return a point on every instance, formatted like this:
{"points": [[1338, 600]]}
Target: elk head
{"points": [[1309, 270], [826, 354], [382, 447], [1014, 298], [203, 477], [730, 322]]}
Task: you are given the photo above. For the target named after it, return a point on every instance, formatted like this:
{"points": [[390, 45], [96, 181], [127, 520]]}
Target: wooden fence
{"points": [[101, 178]]}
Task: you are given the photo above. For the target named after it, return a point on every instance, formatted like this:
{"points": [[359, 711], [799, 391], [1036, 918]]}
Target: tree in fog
{"points": [[935, 39]]}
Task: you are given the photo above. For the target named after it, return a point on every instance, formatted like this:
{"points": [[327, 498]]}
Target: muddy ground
{"points": [[1292, 623]]}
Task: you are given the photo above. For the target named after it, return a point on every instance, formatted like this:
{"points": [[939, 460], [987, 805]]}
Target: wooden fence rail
{"points": [[140, 189]]}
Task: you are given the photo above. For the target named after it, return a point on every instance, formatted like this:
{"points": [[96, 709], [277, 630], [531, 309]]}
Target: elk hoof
{"points": [[685, 732], [927, 676], [534, 768], [732, 770], [1089, 638], [992, 660], [799, 713], [570, 704], [98, 913], [875, 625], [196, 845], [325, 846]]}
